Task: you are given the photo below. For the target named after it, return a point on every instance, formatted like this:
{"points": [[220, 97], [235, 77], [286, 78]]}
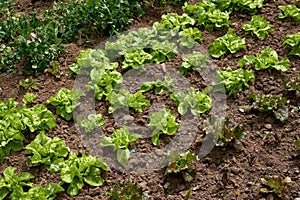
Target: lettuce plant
{"points": [[15, 122], [230, 133], [208, 15], [120, 142], [158, 86], [269, 104], [37, 193], [92, 121], [48, 151], [234, 80], [103, 82], [126, 191], [268, 58], [163, 122], [275, 184], [12, 182], [182, 165], [229, 42], [292, 84], [136, 59], [124, 98], [175, 22], [290, 11], [293, 42], [193, 61], [258, 26], [197, 102], [79, 170], [65, 101]]}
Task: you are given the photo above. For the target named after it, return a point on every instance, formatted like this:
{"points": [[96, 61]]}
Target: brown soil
{"points": [[243, 164]]}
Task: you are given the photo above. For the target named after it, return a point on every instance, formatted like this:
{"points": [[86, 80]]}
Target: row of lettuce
{"points": [[39, 40], [104, 70]]}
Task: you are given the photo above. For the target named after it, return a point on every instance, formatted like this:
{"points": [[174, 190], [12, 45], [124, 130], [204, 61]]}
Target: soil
{"points": [[225, 173]]}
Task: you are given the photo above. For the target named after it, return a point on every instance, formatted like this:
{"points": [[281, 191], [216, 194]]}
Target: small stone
{"points": [[268, 126]]}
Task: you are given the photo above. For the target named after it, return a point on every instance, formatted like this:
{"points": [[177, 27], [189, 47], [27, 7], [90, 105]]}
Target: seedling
{"points": [[126, 191], [65, 101], [275, 185], [269, 104], [120, 142], [92, 121], [29, 83], [182, 165], [258, 26], [53, 69], [231, 133], [163, 122]]}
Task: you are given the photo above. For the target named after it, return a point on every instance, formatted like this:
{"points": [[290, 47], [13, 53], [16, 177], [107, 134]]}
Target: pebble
{"points": [[268, 126]]}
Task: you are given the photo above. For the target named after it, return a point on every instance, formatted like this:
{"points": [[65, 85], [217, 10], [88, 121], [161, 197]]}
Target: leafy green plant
{"points": [[175, 22], [229, 42], [29, 83], [78, 170], [182, 165], [189, 37], [258, 26], [290, 11], [230, 133], [248, 6], [136, 59], [268, 58], [92, 121], [197, 102], [37, 193], [120, 142], [103, 82], [292, 84], [89, 59], [163, 122], [293, 42], [65, 101], [126, 191], [193, 61], [275, 185], [28, 99], [124, 98], [233, 80], [158, 86], [48, 151], [53, 69], [12, 182], [208, 15], [17, 121], [270, 104]]}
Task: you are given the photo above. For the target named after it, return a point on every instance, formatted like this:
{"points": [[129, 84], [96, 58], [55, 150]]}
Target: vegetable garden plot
{"points": [[256, 156]]}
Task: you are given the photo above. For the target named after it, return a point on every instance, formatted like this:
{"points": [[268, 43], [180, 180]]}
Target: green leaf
{"points": [[123, 156], [234, 80], [293, 42], [258, 26], [163, 122], [290, 11], [268, 58], [65, 101], [229, 42], [92, 178]]}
